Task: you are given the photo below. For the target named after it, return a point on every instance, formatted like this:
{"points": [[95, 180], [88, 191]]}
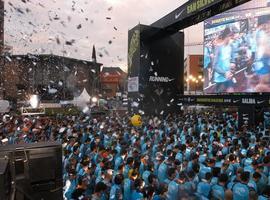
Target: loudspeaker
{"points": [[36, 170]]}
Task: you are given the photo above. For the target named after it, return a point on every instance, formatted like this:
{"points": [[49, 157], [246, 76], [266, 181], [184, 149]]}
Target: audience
{"points": [[187, 156]]}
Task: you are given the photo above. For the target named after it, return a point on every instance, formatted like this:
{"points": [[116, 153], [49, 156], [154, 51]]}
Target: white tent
{"points": [[83, 99]]}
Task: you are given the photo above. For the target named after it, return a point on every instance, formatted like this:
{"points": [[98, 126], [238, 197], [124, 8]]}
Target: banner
{"points": [[226, 100], [195, 11], [133, 84]]}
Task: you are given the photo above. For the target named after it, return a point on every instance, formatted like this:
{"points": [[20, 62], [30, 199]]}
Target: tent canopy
{"points": [[83, 98]]}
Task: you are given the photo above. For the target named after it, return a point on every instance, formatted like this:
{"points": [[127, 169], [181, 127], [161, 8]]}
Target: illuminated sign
{"points": [[210, 100]]}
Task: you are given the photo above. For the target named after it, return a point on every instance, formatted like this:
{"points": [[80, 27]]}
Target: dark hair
{"points": [[100, 186], [171, 171], [118, 179], [151, 178], [257, 175], [223, 178], [266, 191], [245, 176], [130, 160], [208, 176], [138, 183]]}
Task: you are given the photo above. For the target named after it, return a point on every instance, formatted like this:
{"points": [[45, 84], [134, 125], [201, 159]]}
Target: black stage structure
{"points": [[156, 58]]}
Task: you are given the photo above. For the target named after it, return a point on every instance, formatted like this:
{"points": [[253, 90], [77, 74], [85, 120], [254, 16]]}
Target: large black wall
{"points": [[159, 64]]}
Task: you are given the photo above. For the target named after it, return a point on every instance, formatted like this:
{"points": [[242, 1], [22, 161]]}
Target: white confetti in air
{"points": [[52, 91], [92, 70], [141, 112], [135, 104], [162, 112], [60, 83], [155, 73], [8, 58], [172, 100], [85, 80], [152, 63]]}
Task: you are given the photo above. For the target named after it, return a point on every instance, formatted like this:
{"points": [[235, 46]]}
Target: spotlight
{"points": [[94, 99], [34, 101]]}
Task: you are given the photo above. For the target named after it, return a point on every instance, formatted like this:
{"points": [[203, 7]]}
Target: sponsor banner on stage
{"points": [[259, 101]]}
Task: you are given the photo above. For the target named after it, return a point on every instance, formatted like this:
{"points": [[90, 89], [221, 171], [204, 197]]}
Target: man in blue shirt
{"points": [[241, 190], [218, 190], [116, 190], [222, 64]]}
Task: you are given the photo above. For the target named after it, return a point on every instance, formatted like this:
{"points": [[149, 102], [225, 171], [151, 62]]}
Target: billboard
{"points": [[237, 50]]}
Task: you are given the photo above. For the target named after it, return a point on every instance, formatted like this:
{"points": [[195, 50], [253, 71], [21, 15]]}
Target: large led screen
{"points": [[237, 50]]}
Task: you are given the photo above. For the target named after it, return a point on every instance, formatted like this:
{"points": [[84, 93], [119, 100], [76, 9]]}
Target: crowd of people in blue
{"points": [[187, 156]]}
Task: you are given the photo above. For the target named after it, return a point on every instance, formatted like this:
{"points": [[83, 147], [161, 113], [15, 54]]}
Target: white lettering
{"points": [[160, 79], [248, 101]]}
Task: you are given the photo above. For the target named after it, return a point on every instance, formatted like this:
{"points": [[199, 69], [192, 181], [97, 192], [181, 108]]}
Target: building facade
{"points": [[52, 77], [113, 80], [193, 74]]}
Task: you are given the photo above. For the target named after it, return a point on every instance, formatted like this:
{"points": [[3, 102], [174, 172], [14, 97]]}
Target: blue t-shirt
{"points": [[217, 192], [162, 172], [172, 191], [240, 191], [204, 189], [136, 195]]}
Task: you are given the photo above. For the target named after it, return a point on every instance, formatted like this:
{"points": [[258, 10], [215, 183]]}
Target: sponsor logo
{"points": [[248, 101], [160, 79], [236, 101], [177, 15], [260, 102]]}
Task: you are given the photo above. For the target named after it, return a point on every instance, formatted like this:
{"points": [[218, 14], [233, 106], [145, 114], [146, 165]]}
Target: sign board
{"points": [[193, 12], [133, 84], [227, 100], [32, 111]]}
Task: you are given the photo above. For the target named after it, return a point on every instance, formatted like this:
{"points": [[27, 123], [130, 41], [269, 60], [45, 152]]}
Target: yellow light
{"points": [[197, 81], [190, 77], [203, 80], [200, 77]]}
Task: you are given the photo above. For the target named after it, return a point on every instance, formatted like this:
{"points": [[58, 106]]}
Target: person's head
{"points": [[152, 179], [100, 187], [162, 190], [208, 176], [138, 184], [118, 179], [226, 35], [171, 173], [266, 191], [72, 174], [223, 179], [256, 176], [244, 177], [130, 161], [182, 177]]}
